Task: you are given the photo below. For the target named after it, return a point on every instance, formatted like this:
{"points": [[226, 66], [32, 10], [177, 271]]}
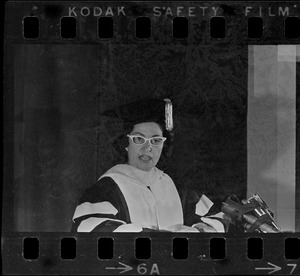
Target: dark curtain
{"points": [[297, 226], [63, 143], [55, 143]]}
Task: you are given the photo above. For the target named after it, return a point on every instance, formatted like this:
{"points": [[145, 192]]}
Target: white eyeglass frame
{"points": [[131, 136]]}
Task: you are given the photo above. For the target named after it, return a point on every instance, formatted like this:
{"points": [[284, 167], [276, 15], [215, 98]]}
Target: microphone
{"points": [[252, 214]]}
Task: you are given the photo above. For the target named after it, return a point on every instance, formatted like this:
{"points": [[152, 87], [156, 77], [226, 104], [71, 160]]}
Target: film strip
{"points": [[143, 30], [228, 76], [156, 254]]}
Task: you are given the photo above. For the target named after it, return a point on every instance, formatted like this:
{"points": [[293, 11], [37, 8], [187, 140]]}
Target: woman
{"points": [[137, 196]]}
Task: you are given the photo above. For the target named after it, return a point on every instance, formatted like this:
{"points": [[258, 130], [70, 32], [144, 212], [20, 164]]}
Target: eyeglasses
{"points": [[140, 140]]}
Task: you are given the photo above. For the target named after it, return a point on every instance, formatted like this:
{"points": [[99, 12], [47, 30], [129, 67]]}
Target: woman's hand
{"points": [[182, 228], [202, 227], [129, 228]]}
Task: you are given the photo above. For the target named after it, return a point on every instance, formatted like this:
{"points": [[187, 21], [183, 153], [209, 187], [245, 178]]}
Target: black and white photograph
{"points": [[116, 130]]}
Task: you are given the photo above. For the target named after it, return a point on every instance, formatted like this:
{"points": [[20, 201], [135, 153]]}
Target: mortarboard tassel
{"points": [[168, 115]]}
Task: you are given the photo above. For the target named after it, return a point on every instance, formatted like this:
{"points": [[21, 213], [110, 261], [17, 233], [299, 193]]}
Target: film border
{"points": [[50, 261]]}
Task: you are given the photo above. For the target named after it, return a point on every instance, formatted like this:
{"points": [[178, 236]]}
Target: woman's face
{"points": [[146, 156]]}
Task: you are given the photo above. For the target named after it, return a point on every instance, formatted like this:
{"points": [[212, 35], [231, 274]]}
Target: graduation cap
{"points": [[155, 110]]}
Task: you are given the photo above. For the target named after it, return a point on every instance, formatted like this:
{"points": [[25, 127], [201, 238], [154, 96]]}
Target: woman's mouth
{"points": [[145, 158]]}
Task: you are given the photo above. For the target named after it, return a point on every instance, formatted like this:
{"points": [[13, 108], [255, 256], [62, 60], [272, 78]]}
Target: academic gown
{"points": [[127, 199]]}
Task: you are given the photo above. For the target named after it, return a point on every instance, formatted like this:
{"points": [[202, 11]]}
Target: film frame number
{"points": [[142, 269]]}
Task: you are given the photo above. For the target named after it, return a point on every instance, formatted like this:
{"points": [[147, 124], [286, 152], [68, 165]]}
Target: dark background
{"points": [[62, 143]]}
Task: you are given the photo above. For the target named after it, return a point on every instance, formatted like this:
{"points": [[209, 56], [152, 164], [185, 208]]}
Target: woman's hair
{"points": [[141, 111]]}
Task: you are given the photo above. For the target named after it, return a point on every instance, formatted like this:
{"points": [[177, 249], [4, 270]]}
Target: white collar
{"points": [[142, 177]]}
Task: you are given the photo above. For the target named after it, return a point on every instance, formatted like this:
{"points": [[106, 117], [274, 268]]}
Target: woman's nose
{"points": [[148, 146]]}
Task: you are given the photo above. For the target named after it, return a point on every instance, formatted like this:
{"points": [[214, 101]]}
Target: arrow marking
{"points": [[124, 268], [274, 268]]}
